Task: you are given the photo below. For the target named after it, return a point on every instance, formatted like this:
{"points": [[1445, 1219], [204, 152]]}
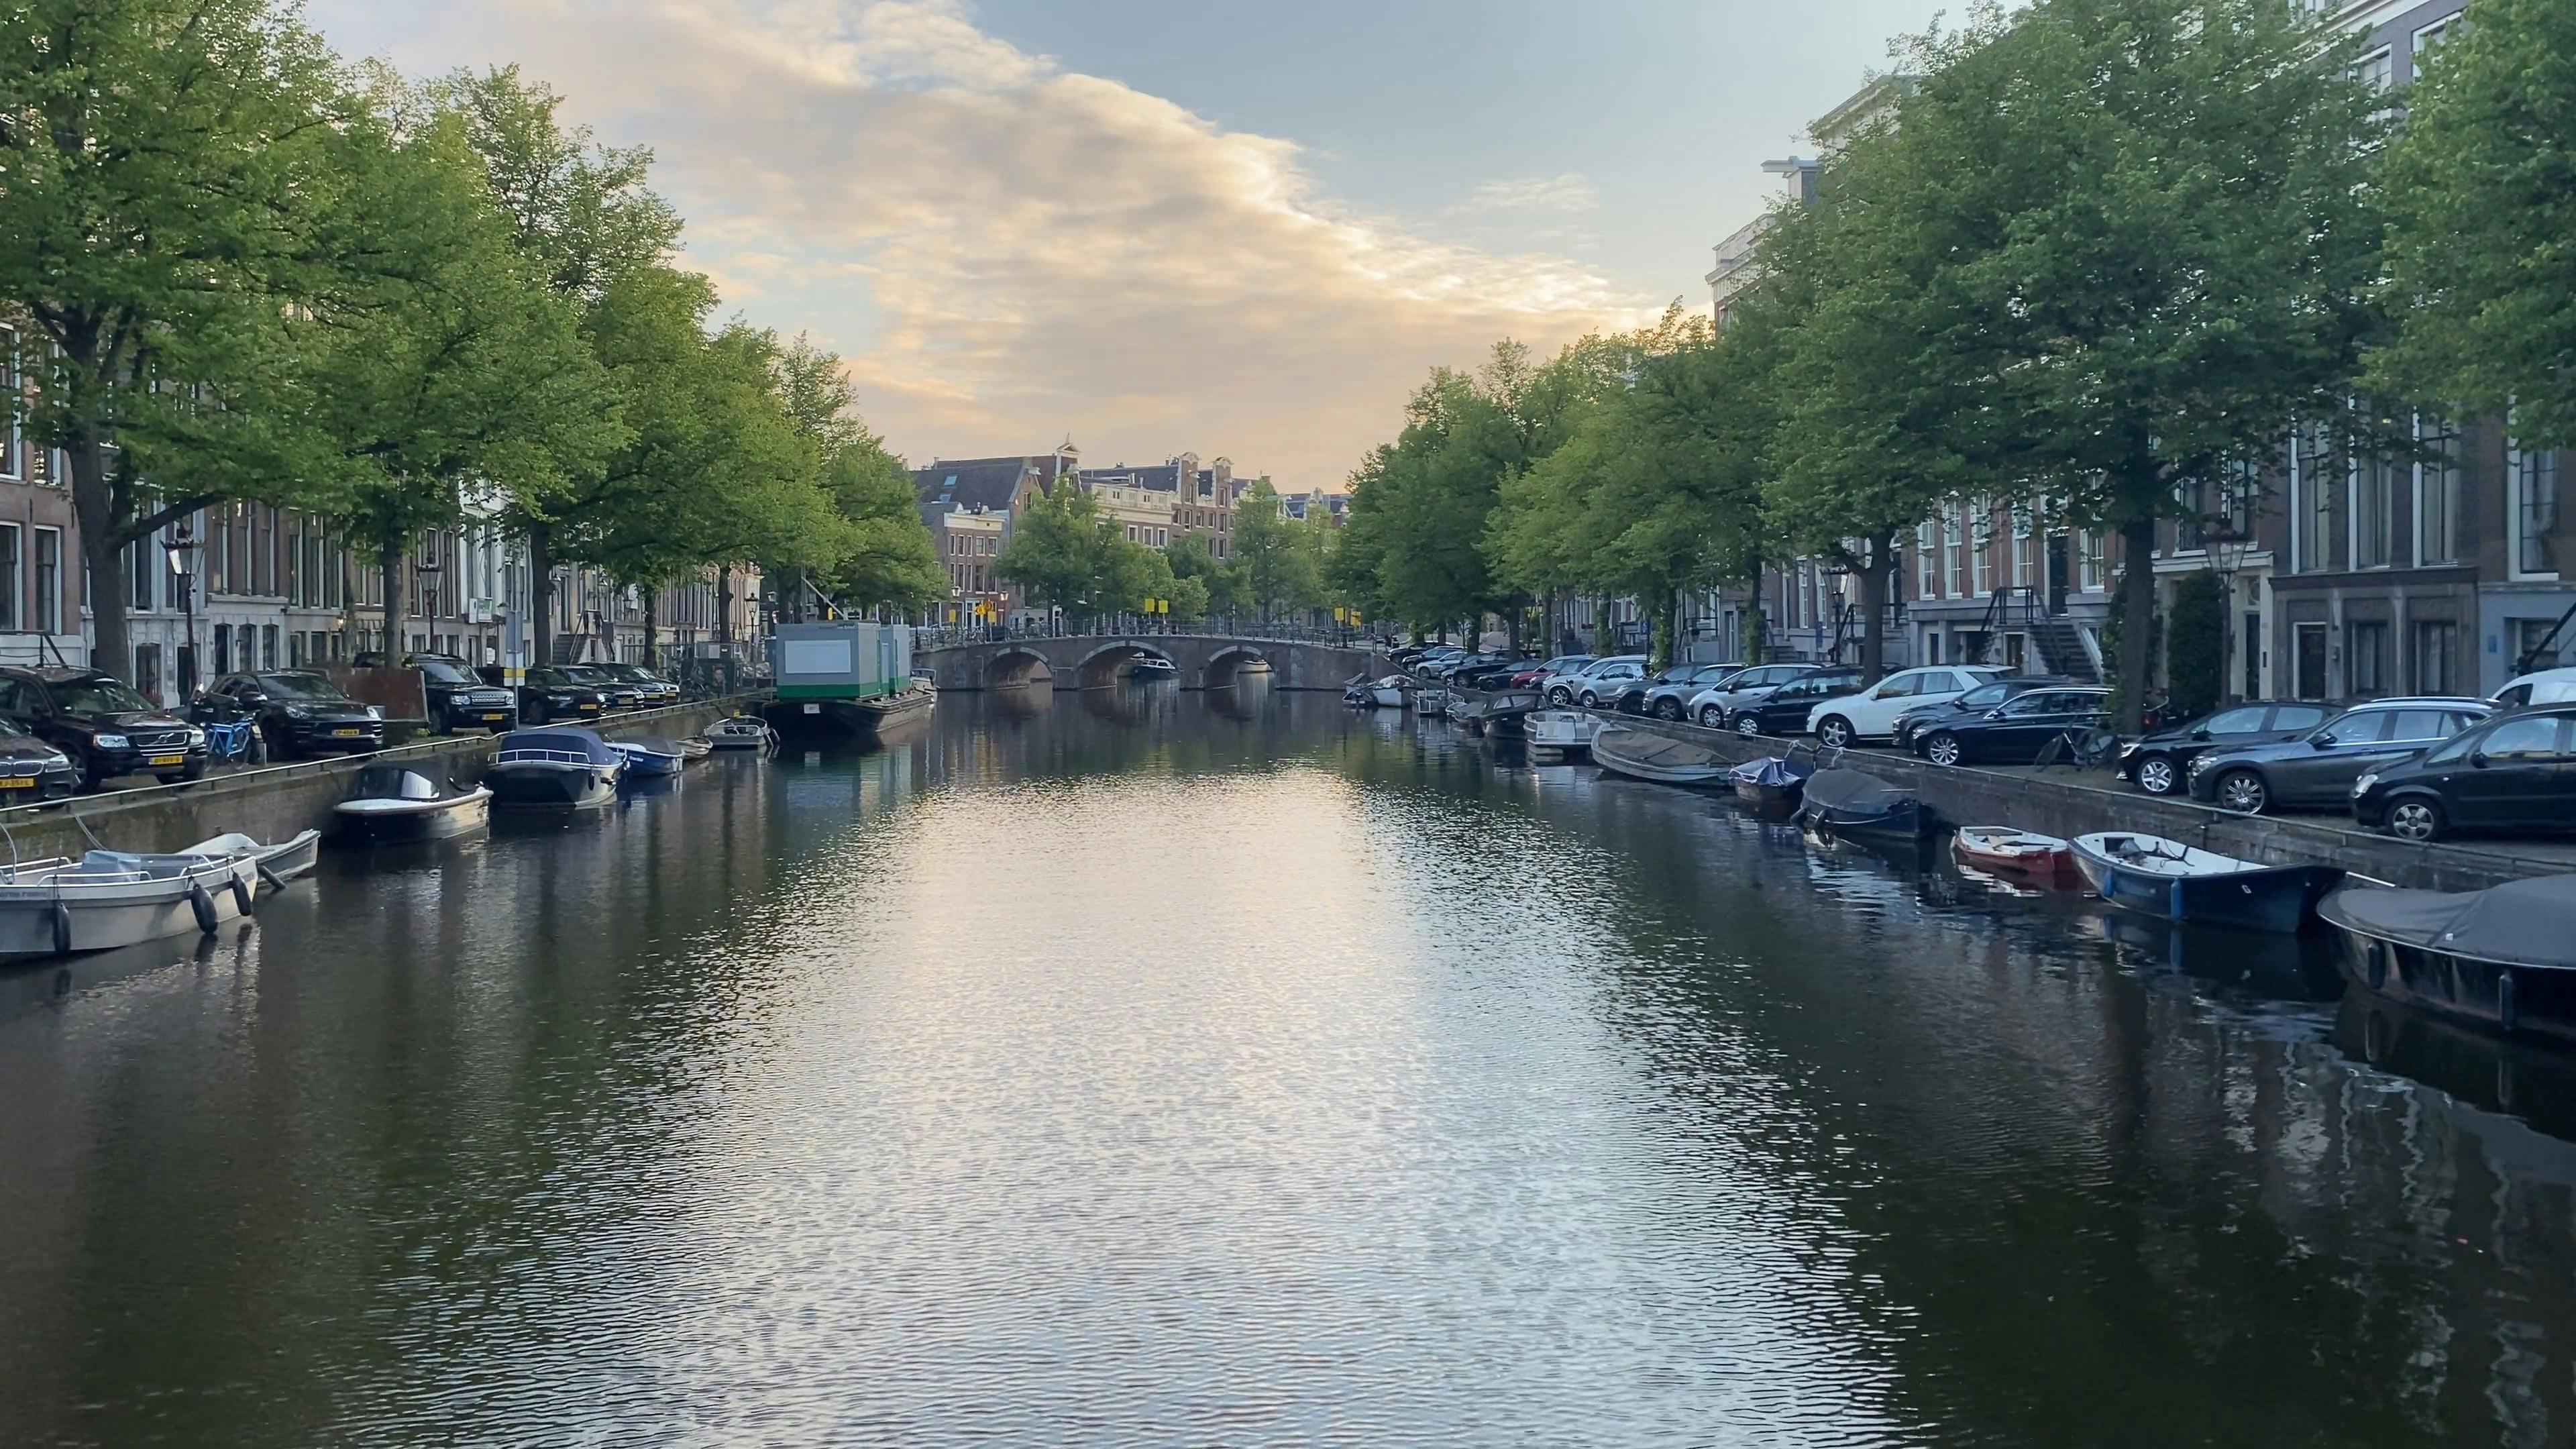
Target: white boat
{"points": [[108, 899], [741, 732], [1431, 701], [395, 804], [1664, 761], [557, 765], [277, 863], [1568, 731]]}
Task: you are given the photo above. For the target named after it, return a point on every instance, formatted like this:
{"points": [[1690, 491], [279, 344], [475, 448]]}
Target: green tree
{"points": [[1280, 567], [171, 170], [1064, 554], [1223, 588], [2482, 189]]}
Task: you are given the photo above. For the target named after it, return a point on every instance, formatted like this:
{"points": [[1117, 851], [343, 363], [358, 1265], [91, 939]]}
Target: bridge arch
{"points": [[1228, 661], [1099, 668], [1016, 666]]}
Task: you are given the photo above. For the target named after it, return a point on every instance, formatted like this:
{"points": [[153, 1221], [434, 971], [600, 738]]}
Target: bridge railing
{"points": [[1140, 626]]}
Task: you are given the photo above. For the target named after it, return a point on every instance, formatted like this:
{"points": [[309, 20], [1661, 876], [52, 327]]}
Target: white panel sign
{"points": [[816, 656]]}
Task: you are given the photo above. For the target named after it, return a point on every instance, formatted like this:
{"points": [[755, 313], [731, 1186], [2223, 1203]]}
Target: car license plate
{"points": [[169, 760], [495, 718], [17, 784], [590, 707], [813, 709], [346, 734]]}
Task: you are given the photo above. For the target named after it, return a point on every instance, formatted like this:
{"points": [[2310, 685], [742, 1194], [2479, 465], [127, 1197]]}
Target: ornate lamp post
{"points": [[2226, 545], [182, 550]]}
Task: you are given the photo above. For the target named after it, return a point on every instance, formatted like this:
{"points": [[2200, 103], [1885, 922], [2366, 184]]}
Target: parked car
{"points": [[618, 694], [1667, 695], [1536, 676], [654, 688], [1435, 659], [2546, 686], [1490, 672], [2516, 771], [1913, 723], [1716, 704], [102, 724], [1784, 710], [1870, 714], [2160, 763], [300, 713], [1594, 682], [458, 699], [2016, 731], [2318, 768], [33, 770], [548, 695]]}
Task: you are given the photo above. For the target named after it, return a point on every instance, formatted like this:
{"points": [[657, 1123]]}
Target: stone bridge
{"points": [[1093, 661]]}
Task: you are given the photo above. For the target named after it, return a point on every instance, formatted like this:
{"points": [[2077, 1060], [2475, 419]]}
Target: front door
{"points": [[2308, 641], [2057, 573]]}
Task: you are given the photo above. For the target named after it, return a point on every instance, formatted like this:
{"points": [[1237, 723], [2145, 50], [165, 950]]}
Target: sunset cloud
{"points": [[1010, 252]]}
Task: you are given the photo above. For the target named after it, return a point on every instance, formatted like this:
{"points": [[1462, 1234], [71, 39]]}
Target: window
{"points": [[142, 562], [2312, 503], [2360, 727], [2532, 513], [2237, 722], [2533, 640], [2297, 717], [1902, 686], [2378, 71], [9, 578], [1981, 537], [268, 646], [1927, 574], [2366, 662], [2524, 739], [1954, 566], [2420, 724], [147, 670], [2089, 573], [2440, 478], [223, 648], [13, 404], [2374, 512], [2437, 656], [2025, 549]]}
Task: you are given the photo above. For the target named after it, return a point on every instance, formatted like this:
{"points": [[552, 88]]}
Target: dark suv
{"points": [[300, 713], [656, 690], [458, 699], [549, 695], [107, 728], [2318, 768], [617, 692]]}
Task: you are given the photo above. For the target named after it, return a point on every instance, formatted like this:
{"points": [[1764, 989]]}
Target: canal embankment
{"points": [[2069, 803], [273, 802]]}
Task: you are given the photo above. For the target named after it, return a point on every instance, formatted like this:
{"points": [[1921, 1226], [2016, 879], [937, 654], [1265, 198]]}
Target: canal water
{"points": [[1154, 1068]]}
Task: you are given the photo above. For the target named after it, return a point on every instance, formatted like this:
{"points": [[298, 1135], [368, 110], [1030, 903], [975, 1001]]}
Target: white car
{"points": [[1712, 706], [1595, 683], [1871, 714], [2547, 686]]}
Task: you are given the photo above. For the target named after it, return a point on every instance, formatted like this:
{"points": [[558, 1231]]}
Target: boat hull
{"points": [[2278, 899], [2513, 999], [546, 783], [847, 721], [38, 920], [434, 820], [2050, 866]]}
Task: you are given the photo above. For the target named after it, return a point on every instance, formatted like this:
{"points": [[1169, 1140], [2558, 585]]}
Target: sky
{"points": [[1163, 226]]}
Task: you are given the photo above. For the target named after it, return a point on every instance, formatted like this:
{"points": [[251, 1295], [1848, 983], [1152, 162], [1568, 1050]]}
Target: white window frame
{"points": [[2514, 454], [48, 618], [1926, 563], [1981, 569], [14, 458], [2456, 460], [1954, 573]]}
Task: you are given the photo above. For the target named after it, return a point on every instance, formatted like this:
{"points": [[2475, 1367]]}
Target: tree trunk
{"points": [[2137, 622], [652, 627], [1873, 604], [389, 556], [541, 593], [93, 506], [1664, 633]]}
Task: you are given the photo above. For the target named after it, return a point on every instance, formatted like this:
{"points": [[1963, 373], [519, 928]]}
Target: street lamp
{"points": [[182, 551], [2226, 546]]}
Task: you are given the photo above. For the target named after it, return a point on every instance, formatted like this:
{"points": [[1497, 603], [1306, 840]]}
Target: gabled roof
{"points": [[972, 483]]}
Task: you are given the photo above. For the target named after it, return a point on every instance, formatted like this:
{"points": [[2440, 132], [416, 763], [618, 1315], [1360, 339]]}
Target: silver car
{"points": [[1712, 706]]}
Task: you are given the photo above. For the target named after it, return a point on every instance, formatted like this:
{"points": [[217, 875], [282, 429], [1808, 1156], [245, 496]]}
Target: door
{"points": [[2325, 764], [2027, 725], [2253, 656], [2057, 573], [2409, 732], [2308, 643], [2511, 779]]}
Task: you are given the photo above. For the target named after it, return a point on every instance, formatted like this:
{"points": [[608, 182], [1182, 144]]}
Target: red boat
{"points": [[2018, 856]]}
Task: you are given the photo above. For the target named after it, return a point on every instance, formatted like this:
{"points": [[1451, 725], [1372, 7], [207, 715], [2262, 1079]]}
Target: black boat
{"points": [[1854, 805], [554, 766], [1774, 784], [395, 804], [2504, 957]]}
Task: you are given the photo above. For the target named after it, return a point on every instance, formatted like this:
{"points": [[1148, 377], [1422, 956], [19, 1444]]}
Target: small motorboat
{"points": [[554, 766], [694, 748], [1774, 783], [1560, 733], [2017, 856], [2504, 957], [396, 804], [649, 759], [741, 732], [1387, 693], [110, 898], [1858, 806], [1664, 761], [1431, 701], [2184, 883], [1148, 666], [277, 864], [1502, 712]]}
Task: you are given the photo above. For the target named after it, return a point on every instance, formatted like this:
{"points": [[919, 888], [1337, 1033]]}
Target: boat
{"points": [[1501, 712], [846, 682], [694, 748], [1149, 667], [109, 898], [740, 732], [1858, 806], [1774, 782], [1431, 701], [2184, 883], [1387, 693], [1662, 760], [397, 804], [1561, 733], [2017, 856], [557, 765], [277, 864], [2504, 957], [649, 759]]}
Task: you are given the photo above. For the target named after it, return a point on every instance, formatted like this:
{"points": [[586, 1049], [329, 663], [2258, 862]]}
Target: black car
{"points": [[2016, 731], [32, 770], [1784, 710], [1915, 723], [2319, 767], [1457, 670], [2516, 772], [1663, 696], [617, 693], [2160, 763], [654, 688], [300, 713], [549, 695], [458, 699], [102, 724]]}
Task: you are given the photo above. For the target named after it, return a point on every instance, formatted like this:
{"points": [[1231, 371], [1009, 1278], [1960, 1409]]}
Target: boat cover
{"points": [[1654, 752], [1857, 795], [564, 740], [1773, 771], [2521, 923]]}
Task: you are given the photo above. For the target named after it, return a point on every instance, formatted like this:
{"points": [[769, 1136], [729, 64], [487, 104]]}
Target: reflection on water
{"points": [[1152, 1066]]}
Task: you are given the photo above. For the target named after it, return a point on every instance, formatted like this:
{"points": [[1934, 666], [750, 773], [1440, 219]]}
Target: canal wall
{"points": [[277, 801], [2064, 803]]}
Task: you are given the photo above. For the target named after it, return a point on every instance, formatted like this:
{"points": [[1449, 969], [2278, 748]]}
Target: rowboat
{"points": [[1656, 758], [2184, 883], [740, 732], [277, 864], [649, 759], [2504, 957], [1773, 783], [2017, 855], [1854, 805], [1563, 733], [109, 898]]}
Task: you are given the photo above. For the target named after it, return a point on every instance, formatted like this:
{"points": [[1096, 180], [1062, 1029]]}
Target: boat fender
{"points": [[2375, 957], [244, 893], [204, 905], [2508, 1002], [273, 880], [62, 929]]}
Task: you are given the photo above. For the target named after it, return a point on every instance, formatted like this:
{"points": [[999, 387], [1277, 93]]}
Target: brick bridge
{"points": [[1093, 661]]}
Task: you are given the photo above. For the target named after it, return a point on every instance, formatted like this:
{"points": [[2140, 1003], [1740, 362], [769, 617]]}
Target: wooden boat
{"points": [[554, 766], [2183, 883], [1642, 756], [1854, 805], [1773, 783], [740, 732], [399, 804], [108, 899], [2504, 957], [649, 759], [277, 864], [1565, 733], [2017, 856]]}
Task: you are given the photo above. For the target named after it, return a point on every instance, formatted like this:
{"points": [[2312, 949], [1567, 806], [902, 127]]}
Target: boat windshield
{"points": [[99, 696]]}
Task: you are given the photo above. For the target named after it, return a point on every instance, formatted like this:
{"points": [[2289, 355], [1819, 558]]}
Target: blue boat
{"points": [[2187, 885], [1774, 782], [650, 759]]}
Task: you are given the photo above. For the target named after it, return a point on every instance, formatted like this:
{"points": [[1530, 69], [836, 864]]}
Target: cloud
{"points": [[1569, 192], [1009, 252]]}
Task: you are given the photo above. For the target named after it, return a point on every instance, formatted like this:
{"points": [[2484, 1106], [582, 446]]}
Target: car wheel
{"points": [[1943, 749], [1669, 709], [1835, 732], [1711, 717], [2156, 775], [2243, 791], [1560, 695], [1749, 726], [1591, 700], [2416, 819]]}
